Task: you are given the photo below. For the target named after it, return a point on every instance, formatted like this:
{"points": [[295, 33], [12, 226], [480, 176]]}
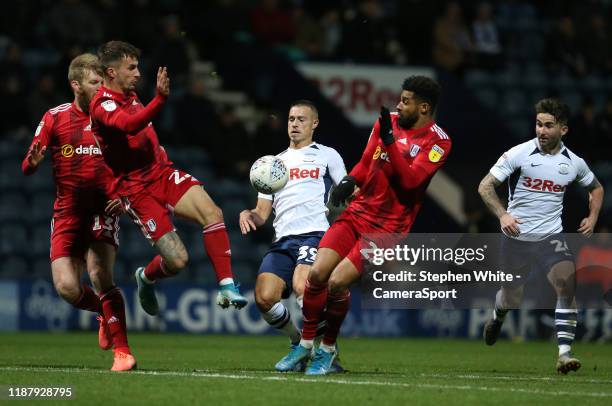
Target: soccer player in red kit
{"points": [[404, 151], [84, 226], [149, 187]]}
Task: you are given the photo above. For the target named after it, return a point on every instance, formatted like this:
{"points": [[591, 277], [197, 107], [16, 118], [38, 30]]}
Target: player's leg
{"points": [[269, 290], [507, 298], [100, 262], [347, 272], [562, 277], [196, 205]]}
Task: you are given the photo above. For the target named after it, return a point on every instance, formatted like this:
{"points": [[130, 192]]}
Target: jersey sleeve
{"points": [[505, 165], [413, 175], [106, 112], [360, 171], [336, 167], [43, 135], [584, 176]]}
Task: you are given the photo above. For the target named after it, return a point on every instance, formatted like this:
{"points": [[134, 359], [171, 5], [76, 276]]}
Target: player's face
{"points": [[127, 74], [548, 131], [301, 124], [408, 110], [89, 86]]}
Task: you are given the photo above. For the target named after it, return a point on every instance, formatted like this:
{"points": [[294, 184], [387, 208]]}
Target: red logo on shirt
{"points": [[544, 185], [297, 173]]}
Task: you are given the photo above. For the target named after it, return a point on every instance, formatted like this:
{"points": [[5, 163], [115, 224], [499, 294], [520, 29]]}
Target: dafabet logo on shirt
{"points": [[68, 150]]}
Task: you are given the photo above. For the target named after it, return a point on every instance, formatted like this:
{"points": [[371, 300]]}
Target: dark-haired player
{"points": [[538, 172], [403, 153], [151, 190]]}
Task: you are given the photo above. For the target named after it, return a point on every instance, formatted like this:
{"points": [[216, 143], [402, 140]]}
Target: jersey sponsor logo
{"points": [[435, 153], [297, 173], [68, 150], [109, 105], [414, 150], [39, 128], [380, 154], [563, 168], [543, 185]]}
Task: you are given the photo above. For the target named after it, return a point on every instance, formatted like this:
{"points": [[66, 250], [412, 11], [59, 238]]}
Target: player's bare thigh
{"points": [[268, 290], [196, 205], [343, 276], [300, 274], [323, 266], [173, 251], [562, 277], [66, 273], [100, 262]]}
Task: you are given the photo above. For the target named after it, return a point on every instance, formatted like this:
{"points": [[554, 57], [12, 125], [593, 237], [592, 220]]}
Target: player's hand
{"points": [[114, 207], [386, 129], [36, 154], [163, 81], [587, 225], [343, 190], [510, 225], [247, 221]]}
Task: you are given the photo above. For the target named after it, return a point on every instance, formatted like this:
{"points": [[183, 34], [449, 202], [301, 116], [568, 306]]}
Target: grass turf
{"points": [[190, 369]]}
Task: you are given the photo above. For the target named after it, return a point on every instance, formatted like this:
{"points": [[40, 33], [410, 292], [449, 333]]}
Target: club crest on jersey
{"points": [[67, 150], [414, 150], [563, 168], [109, 105], [151, 225], [39, 128], [435, 153]]}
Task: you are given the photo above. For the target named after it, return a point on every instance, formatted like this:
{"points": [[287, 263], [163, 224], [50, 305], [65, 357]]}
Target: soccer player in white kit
{"points": [[538, 172], [300, 210]]}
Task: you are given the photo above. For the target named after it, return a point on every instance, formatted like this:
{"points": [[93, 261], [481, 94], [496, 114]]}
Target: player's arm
{"points": [[38, 147], [596, 195], [251, 219], [486, 189], [109, 115]]}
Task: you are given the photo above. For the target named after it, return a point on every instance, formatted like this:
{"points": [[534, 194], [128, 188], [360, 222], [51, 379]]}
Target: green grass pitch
{"points": [[238, 370]]}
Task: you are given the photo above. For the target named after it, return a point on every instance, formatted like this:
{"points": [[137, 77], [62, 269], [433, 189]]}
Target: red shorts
{"points": [[345, 236], [151, 208], [72, 234]]}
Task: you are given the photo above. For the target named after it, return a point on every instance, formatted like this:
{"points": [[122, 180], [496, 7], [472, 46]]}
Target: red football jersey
{"points": [[128, 140], [393, 179], [80, 174]]}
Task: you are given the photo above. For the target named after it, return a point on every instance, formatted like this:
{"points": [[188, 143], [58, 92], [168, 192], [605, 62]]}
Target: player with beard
{"points": [[403, 153], [85, 223]]}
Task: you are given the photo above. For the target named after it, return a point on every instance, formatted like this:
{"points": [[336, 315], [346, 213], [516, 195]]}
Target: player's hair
{"points": [[556, 108], [81, 64], [307, 103], [114, 51], [425, 89]]}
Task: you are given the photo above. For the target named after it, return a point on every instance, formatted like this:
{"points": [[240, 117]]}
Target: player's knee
{"points": [[212, 214], [336, 285], [317, 276], [176, 263], [265, 300], [68, 291]]}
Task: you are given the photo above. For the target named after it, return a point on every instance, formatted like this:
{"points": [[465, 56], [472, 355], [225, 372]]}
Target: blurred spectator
{"points": [[196, 118], [232, 133], [74, 22], [45, 96], [487, 47], [15, 119], [594, 260], [564, 49], [271, 24], [583, 131], [271, 135], [172, 51], [331, 30], [309, 35], [603, 124], [368, 35], [452, 45]]}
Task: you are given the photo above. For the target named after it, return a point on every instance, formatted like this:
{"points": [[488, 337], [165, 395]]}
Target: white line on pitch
{"points": [[327, 380], [574, 379]]}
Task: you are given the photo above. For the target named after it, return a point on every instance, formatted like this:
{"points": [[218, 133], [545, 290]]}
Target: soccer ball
{"points": [[269, 174]]}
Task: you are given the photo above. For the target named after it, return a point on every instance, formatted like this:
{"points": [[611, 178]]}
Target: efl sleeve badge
{"points": [[435, 153]]}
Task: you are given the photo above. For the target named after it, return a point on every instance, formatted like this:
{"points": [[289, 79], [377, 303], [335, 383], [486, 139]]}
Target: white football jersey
{"points": [[537, 183], [301, 206]]}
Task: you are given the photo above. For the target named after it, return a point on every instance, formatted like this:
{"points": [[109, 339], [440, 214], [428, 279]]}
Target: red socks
{"points": [[337, 308], [315, 299], [114, 317], [88, 300], [218, 249], [156, 269]]}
